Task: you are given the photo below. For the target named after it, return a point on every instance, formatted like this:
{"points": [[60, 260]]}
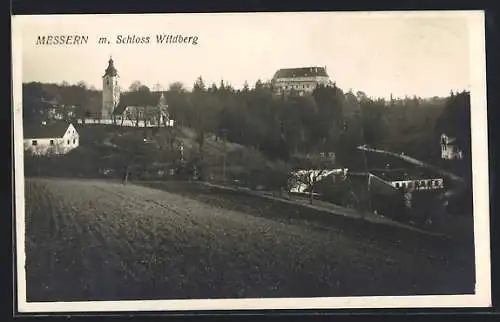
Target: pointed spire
{"points": [[111, 70]]}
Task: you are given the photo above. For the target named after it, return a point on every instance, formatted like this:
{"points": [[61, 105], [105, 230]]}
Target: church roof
{"points": [[111, 70], [120, 108], [51, 130], [301, 72], [157, 99]]}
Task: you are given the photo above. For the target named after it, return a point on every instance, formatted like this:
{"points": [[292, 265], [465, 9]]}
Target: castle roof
{"points": [[111, 70], [301, 72]]}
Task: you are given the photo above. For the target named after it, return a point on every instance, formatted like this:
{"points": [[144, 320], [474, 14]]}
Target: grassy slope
{"points": [[95, 134], [95, 240]]}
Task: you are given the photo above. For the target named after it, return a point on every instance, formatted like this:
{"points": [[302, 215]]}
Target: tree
{"points": [[139, 100], [32, 102], [246, 87], [373, 122], [177, 87], [136, 154], [199, 85], [309, 171], [135, 86], [328, 119]]}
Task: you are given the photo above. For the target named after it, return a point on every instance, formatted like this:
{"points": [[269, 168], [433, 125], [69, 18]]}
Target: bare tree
{"points": [[309, 171]]}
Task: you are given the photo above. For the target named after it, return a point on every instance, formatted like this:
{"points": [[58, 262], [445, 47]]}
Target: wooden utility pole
{"points": [[224, 135], [365, 159]]}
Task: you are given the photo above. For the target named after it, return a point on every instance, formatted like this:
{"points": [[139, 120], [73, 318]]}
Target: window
{"points": [[74, 141], [68, 141], [397, 184], [34, 142], [51, 142]]}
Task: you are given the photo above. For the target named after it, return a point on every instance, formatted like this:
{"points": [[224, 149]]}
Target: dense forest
{"points": [[329, 120]]}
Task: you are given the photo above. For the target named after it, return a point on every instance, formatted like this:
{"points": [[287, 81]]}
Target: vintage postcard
{"points": [[172, 162]]}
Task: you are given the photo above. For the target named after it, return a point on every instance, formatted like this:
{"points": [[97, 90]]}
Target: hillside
{"points": [[109, 147]]}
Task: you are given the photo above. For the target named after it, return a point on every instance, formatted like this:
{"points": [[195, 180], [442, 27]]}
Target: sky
{"points": [[424, 54]]}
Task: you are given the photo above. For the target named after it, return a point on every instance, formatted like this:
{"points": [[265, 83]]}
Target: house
{"points": [[301, 80], [408, 180], [449, 149], [53, 138]]}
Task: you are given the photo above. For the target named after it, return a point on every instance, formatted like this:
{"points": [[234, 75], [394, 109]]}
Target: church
{"points": [[147, 109]]}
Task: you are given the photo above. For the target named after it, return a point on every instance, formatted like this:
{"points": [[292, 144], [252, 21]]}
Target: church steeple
{"points": [[111, 70], [110, 90]]}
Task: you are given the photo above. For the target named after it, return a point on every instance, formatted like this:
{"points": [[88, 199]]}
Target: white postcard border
{"points": [[482, 298]]}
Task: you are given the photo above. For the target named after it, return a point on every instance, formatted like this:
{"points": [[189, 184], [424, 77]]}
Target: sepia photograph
{"points": [[240, 161]]}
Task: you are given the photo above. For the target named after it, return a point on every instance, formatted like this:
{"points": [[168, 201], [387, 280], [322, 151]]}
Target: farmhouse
{"points": [[47, 139], [301, 80]]}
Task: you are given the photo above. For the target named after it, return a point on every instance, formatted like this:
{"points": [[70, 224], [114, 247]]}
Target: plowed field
{"points": [[97, 240]]}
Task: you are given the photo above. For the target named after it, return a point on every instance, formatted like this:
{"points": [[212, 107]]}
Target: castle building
{"points": [[301, 80], [110, 91]]}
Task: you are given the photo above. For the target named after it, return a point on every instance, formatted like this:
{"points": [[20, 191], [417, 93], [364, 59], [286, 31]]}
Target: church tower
{"points": [[110, 90]]}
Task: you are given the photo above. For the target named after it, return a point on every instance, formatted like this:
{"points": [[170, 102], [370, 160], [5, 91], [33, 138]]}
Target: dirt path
{"points": [[94, 240], [416, 162]]}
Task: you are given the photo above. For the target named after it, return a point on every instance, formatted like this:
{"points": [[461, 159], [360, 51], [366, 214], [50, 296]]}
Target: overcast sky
{"points": [[423, 54]]}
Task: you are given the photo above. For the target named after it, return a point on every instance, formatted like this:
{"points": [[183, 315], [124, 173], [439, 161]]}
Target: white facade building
{"points": [[300, 80], [449, 149], [48, 139], [419, 184]]}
